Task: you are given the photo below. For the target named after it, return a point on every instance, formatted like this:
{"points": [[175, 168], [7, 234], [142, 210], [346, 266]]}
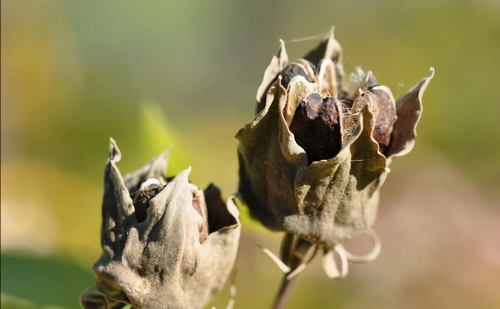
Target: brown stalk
{"points": [[294, 252]]}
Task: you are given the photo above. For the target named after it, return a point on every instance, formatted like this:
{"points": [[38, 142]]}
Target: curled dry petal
{"points": [[178, 257], [277, 64], [409, 110]]}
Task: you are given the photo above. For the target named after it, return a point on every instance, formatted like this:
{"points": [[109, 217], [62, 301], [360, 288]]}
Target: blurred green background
{"points": [[156, 74]]}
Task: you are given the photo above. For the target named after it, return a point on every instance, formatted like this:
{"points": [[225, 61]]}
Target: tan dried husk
{"points": [[325, 202], [160, 262], [328, 201]]}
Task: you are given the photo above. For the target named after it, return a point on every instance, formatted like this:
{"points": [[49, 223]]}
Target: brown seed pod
{"points": [[176, 253], [314, 158]]}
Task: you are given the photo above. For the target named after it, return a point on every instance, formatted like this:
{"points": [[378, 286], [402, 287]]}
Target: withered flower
{"points": [[166, 243], [315, 156]]}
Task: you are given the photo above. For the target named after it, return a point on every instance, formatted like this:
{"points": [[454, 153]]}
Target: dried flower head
{"points": [[315, 156], [166, 243]]}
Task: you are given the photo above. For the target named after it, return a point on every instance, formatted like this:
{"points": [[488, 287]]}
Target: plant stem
{"points": [[288, 247], [284, 292], [296, 253]]}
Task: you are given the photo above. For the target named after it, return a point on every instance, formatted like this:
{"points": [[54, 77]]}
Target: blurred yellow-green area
{"points": [[185, 73]]}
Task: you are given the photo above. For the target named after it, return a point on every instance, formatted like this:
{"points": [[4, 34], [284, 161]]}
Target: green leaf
{"points": [[11, 302], [31, 282], [157, 135]]}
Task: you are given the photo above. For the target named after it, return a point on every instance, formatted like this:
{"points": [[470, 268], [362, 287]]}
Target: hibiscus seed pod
{"points": [[166, 243], [314, 158]]}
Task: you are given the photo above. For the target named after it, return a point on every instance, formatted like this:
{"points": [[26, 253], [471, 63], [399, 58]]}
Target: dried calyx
{"points": [[166, 243], [313, 160]]}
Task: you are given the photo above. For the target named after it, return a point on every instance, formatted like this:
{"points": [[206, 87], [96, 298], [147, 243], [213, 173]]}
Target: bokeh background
{"points": [[185, 73]]}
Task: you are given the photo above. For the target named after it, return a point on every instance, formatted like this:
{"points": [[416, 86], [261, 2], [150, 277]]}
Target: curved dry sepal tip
{"points": [[331, 34], [370, 256], [183, 176], [425, 82], [282, 266], [282, 56], [431, 69], [296, 271], [299, 269], [333, 49], [409, 111], [343, 260], [278, 63], [330, 265], [275, 84], [306, 252], [117, 205], [114, 152]]}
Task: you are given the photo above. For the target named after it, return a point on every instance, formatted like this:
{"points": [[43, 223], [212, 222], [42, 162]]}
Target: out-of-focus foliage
{"points": [[75, 73], [45, 282], [155, 134]]}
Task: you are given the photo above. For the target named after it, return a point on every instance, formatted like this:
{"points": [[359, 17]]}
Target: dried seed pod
{"points": [[314, 158], [166, 244]]}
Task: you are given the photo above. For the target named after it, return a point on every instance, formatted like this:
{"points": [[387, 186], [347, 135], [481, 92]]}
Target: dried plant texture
{"points": [[314, 158], [166, 243]]}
